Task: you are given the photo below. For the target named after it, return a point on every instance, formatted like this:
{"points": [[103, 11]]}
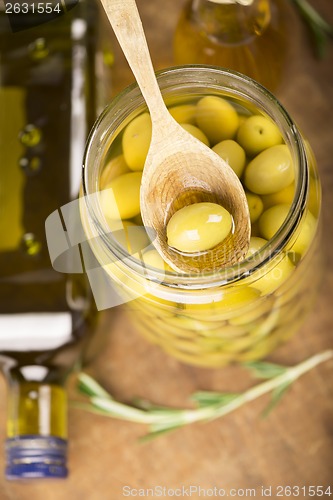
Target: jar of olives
{"points": [[237, 313]]}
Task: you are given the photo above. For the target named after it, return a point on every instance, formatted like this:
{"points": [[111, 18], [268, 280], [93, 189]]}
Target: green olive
{"points": [[237, 298], [138, 220], [184, 113], [198, 227], [286, 195], [270, 171], [233, 299], [272, 277], [217, 118], [314, 196], [233, 154], [136, 141], [258, 133], [255, 205], [272, 219], [152, 258], [196, 132], [132, 237], [121, 198], [255, 315], [114, 168], [256, 244], [306, 233]]}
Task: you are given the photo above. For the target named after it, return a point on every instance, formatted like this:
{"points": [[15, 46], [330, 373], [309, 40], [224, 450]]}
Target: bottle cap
{"points": [[30, 457]]}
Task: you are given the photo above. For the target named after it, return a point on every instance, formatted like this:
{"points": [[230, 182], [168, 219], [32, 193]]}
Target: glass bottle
{"points": [[249, 38], [53, 81]]}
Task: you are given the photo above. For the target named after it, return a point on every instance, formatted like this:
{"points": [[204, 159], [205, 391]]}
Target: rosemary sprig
{"points": [[321, 30], [210, 405]]}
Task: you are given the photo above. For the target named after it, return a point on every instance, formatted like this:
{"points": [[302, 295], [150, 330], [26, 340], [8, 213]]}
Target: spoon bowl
{"points": [[187, 172], [179, 169]]}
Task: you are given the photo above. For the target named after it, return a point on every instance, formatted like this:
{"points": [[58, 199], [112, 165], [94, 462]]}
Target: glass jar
{"points": [[250, 38], [235, 314]]}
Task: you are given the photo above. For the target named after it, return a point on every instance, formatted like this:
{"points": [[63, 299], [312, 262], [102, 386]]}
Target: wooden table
{"points": [[294, 444]]}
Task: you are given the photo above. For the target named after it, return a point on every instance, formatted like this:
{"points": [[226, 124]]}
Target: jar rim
{"points": [[212, 78]]}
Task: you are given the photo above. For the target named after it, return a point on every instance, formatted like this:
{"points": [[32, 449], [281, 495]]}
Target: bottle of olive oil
{"points": [[249, 37], [50, 93]]}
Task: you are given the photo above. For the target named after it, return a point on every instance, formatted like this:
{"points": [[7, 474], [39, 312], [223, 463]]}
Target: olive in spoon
{"points": [[179, 170]]}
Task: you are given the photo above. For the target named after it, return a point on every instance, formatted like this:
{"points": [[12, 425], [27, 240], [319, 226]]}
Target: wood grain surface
{"points": [[294, 444]]}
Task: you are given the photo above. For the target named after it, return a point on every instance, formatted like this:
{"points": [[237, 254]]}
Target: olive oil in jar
{"points": [[49, 98], [251, 39]]}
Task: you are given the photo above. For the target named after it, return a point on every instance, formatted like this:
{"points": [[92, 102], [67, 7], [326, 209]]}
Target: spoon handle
{"points": [[126, 23]]}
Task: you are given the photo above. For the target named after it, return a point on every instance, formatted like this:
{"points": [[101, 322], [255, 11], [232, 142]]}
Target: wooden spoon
{"points": [[179, 169]]}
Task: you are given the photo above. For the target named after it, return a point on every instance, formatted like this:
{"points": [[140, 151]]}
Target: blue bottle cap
{"points": [[33, 457]]}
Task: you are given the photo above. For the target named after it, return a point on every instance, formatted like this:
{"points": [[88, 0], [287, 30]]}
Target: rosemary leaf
{"points": [[265, 370], [144, 404], [320, 40], [277, 395], [89, 387], [154, 434], [206, 398], [321, 30]]}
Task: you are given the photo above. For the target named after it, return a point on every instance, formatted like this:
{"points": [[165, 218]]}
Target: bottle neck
{"points": [[36, 408], [231, 23], [36, 445]]}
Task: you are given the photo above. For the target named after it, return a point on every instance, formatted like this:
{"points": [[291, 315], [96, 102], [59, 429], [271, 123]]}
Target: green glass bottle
{"points": [[54, 79]]}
